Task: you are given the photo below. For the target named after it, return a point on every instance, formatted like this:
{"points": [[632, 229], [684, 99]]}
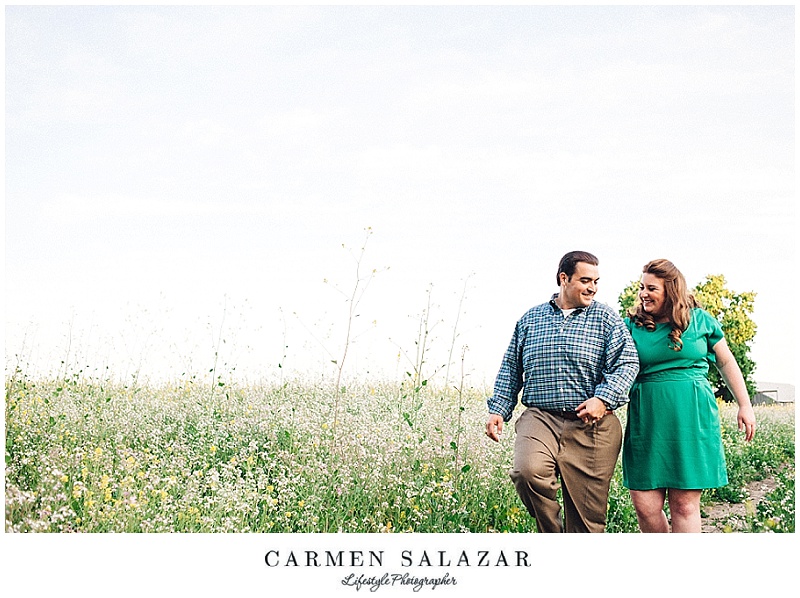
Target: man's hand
{"points": [[494, 426], [592, 410]]}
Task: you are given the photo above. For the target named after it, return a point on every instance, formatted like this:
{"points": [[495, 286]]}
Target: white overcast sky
{"points": [[176, 171]]}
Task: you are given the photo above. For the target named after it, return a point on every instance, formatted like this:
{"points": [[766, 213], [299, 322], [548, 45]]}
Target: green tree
{"points": [[627, 298], [732, 310]]}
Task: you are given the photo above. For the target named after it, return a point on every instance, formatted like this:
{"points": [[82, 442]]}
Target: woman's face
{"points": [[652, 295]]}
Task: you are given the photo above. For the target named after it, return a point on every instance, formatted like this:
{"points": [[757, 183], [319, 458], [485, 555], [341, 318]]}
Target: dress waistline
{"points": [[674, 374]]}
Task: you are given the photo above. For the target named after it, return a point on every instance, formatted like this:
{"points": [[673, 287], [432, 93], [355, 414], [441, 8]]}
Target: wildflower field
{"points": [[87, 456]]}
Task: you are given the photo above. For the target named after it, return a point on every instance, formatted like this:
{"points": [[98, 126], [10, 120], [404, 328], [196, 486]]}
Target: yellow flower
{"points": [[98, 451], [270, 488], [288, 514], [213, 449], [301, 504], [64, 478]]}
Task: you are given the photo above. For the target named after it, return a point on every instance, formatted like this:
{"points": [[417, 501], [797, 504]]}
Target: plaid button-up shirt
{"points": [[559, 362]]}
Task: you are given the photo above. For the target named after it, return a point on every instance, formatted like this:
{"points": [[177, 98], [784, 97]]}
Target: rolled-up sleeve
{"points": [[621, 365], [509, 379]]}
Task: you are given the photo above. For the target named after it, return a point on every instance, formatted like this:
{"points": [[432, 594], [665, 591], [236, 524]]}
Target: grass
{"points": [[770, 454], [85, 456]]}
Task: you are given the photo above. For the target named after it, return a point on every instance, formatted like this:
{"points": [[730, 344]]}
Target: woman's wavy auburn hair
{"points": [[678, 301]]}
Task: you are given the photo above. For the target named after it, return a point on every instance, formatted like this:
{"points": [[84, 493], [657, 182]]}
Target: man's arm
{"points": [[509, 380], [620, 368]]}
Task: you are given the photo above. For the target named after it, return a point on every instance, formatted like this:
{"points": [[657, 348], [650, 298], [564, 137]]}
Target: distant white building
{"points": [[773, 392]]}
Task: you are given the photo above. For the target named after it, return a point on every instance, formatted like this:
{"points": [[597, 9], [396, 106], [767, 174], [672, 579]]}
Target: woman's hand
{"points": [[747, 421]]}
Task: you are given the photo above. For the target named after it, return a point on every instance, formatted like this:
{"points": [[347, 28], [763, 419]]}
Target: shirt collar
{"points": [[557, 309]]}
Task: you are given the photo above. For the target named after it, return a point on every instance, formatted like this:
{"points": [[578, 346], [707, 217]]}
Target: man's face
{"points": [[579, 289]]}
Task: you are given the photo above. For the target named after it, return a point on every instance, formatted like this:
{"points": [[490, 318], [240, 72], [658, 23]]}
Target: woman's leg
{"points": [[684, 510], [649, 505]]}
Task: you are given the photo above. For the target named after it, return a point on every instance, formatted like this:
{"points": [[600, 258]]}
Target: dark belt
{"points": [[563, 414]]}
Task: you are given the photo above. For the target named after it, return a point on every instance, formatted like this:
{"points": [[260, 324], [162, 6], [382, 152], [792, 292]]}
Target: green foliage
{"points": [[772, 446], [621, 515], [627, 298], [175, 458], [732, 310], [776, 514]]}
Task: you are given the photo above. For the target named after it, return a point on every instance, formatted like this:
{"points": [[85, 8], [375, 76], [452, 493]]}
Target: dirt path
{"points": [[728, 517]]}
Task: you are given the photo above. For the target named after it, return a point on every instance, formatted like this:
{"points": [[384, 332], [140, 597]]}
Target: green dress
{"points": [[672, 436]]}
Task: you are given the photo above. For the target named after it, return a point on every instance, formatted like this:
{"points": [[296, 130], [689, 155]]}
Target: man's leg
{"points": [[587, 460], [534, 474]]}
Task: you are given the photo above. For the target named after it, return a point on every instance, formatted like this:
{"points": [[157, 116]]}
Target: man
{"points": [[574, 361]]}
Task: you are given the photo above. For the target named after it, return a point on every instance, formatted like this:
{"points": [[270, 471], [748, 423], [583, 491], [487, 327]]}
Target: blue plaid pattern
{"points": [[558, 362]]}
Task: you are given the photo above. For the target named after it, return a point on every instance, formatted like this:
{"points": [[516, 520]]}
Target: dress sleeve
{"points": [[712, 330]]}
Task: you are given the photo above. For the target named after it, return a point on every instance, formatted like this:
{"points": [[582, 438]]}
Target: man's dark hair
{"points": [[570, 260]]}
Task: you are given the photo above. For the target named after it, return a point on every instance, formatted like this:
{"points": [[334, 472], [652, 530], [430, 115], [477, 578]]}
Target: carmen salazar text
{"points": [[407, 558]]}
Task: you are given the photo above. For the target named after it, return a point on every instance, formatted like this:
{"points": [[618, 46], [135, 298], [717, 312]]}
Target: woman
{"points": [[672, 448]]}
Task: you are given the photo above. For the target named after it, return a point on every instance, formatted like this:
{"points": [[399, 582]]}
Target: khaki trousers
{"points": [[551, 452]]}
